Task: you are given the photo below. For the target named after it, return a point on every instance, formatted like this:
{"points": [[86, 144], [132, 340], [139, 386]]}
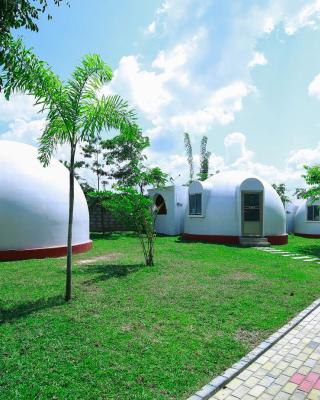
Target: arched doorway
{"points": [[161, 205], [252, 207]]}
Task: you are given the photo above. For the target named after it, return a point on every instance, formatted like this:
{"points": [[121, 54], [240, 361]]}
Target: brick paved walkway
{"points": [[288, 370]]}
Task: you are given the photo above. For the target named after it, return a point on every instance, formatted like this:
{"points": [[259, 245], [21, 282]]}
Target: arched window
{"points": [[195, 204], [161, 205]]}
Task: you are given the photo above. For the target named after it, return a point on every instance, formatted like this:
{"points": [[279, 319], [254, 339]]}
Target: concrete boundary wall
{"points": [[101, 220]]}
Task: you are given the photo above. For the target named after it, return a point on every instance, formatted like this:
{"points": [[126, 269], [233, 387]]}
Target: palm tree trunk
{"points": [[70, 224]]}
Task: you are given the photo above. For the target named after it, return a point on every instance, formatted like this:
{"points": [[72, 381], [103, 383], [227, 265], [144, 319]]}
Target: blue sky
{"points": [[245, 73]]}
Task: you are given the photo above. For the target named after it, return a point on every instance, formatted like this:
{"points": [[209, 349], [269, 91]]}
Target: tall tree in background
{"points": [[312, 178], [124, 156], [282, 192], [188, 148], [95, 156], [204, 159], [16, 14], [74, 111]]}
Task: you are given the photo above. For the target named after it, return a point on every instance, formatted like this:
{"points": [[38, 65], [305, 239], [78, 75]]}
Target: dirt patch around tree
{"points": [[94, 260]]}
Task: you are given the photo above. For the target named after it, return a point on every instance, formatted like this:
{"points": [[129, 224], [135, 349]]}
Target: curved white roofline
{"points": [[34, 202]]}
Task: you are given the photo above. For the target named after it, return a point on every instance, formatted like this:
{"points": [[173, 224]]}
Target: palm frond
{"points": [[188, 148], [204, 159], [86, 81], [54, 133], [25, 72], [111, 112]]}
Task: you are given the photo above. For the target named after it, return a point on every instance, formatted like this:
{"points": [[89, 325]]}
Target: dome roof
{"points": [[301, 224], [221, 205], [34, 204], [231, 179]]}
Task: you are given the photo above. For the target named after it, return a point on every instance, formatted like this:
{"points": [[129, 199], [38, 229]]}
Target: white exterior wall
{"points": [[221, 206], [175, 198], [34, 201], [301, 224], [291, 209]]}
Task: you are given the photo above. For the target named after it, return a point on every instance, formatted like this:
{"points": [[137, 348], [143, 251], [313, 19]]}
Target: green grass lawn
{"points": [[136, 332]]}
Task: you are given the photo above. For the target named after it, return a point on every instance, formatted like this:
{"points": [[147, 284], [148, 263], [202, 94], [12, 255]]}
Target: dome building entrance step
{"points": [[254, 241]]}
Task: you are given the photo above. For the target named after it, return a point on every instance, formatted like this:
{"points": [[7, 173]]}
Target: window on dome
{"points": [[313, 213], [161, 205], [195, 204]]}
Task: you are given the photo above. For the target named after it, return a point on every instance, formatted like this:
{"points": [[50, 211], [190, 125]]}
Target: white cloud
{"points": [[307, 156], [237, 153], [24, 131], [308, 16], [257, 59], [314, 87], [220, 108], [152, 27], [172, 60], [144, 89], [20, 106], [237, 157]]}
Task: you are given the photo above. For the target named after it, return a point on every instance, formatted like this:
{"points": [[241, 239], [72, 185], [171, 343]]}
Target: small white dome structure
{"points": [[231, 205], [34, 206], [172, 203], [307, 219]]}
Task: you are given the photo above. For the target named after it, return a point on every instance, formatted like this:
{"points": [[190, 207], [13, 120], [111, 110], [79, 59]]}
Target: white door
{"points": [[252, 213]]}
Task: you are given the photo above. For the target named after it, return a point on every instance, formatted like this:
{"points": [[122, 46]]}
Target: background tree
{"points": [[16, 14], [124, 156], [204, 159], [312, 178], [95, 152], [117, 159], [95, 157], [86, 188], [299, 192], [188, 148], [154, 177], [282, 192], [138, 211], [74, 111]]}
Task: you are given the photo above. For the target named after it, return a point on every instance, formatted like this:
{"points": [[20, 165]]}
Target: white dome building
{"points": [[307, 219], [231, 205], [171, 202], [34, 206]]}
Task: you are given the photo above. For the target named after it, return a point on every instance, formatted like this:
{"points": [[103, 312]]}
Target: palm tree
{"points": [[204, 159], [75, 111], [188, 148]]}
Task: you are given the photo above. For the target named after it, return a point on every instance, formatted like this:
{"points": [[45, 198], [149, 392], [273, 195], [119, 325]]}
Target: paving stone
{"points": [[282, 380], [251, 382], [234, 383], [300, 257], [274, 389], [267, 381], [223, 394], [240, 391], [314, 394], [289, 369], [257, 391], [282, 396], [245, 375], [298, 395], [265, 396], [289, 387]]}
